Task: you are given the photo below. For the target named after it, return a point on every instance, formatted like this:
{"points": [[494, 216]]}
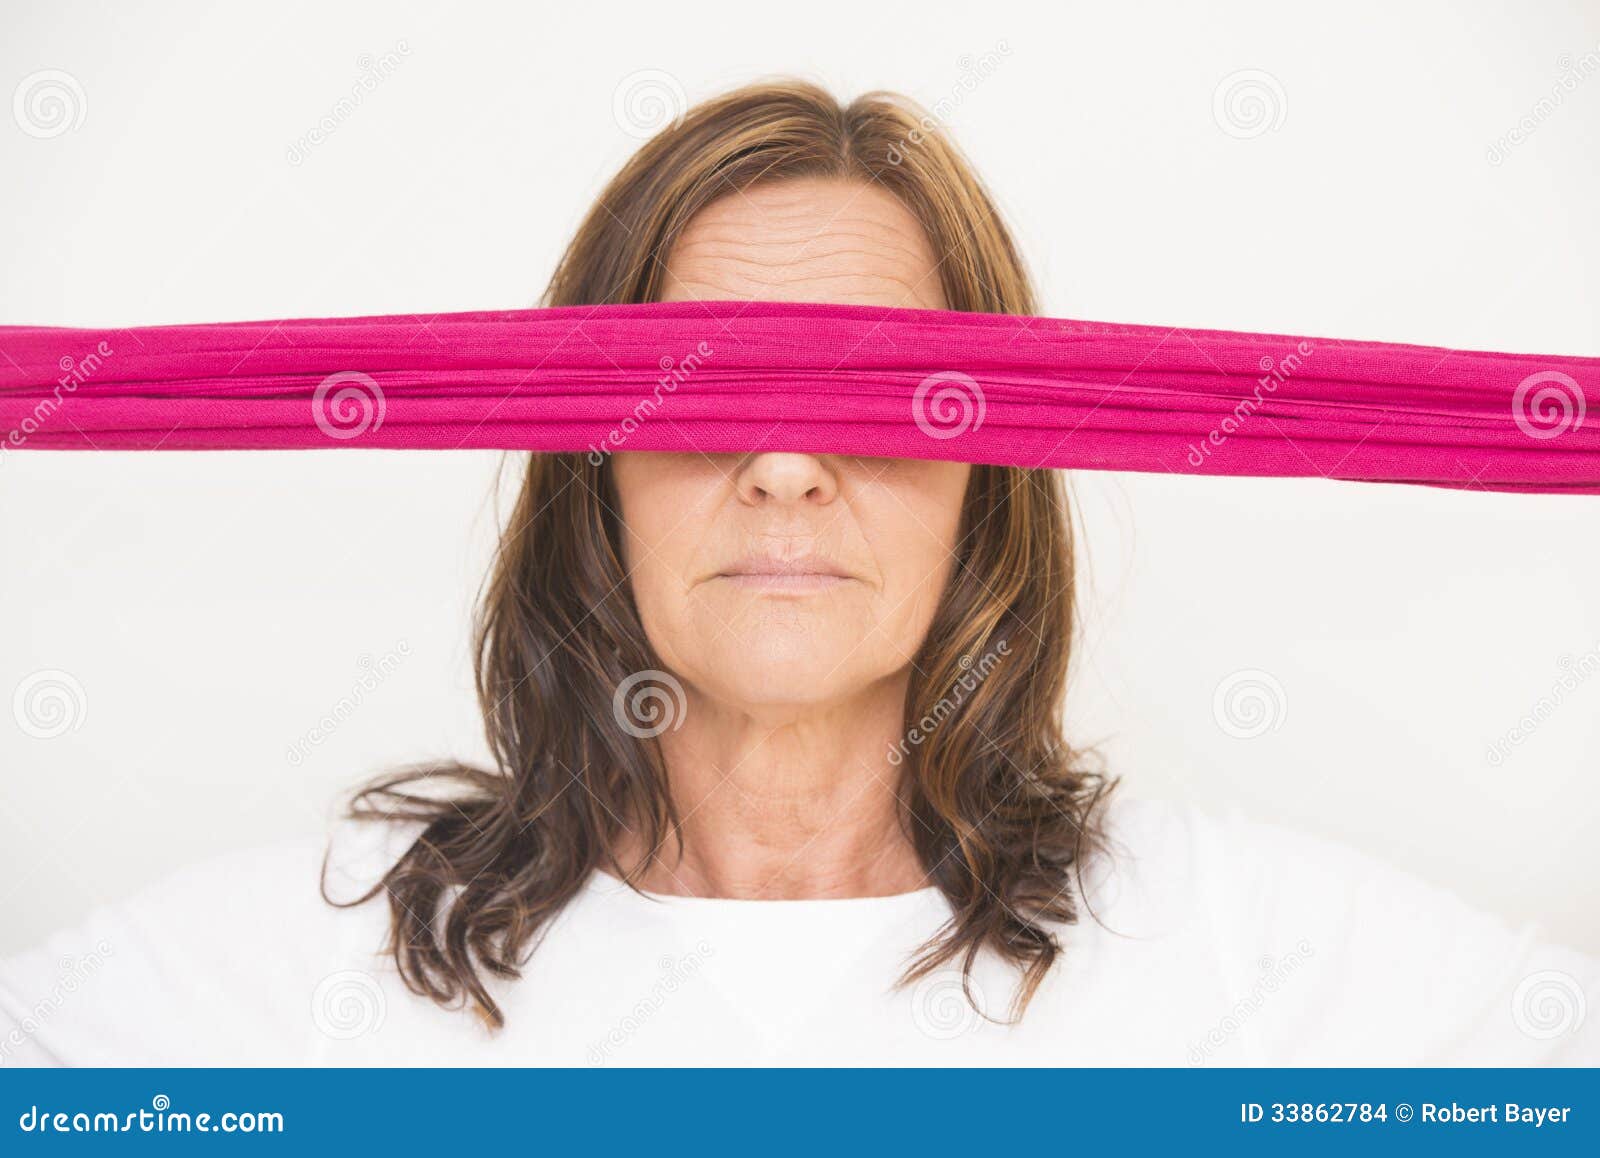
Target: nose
{"points": [[786, 478]]}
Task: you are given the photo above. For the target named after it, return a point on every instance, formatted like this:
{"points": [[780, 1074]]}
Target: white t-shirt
{"points": [[1218, 942]]}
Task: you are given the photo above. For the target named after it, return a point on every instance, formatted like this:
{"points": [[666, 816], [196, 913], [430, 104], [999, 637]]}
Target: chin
{"points": [[777, 670]]}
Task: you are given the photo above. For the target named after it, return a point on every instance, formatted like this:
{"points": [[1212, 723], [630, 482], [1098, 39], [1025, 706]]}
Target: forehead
{"points": [[806, 240]]}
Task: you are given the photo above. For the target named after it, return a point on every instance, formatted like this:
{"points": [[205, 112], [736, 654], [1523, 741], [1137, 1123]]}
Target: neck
{"points": [[784, 803]]}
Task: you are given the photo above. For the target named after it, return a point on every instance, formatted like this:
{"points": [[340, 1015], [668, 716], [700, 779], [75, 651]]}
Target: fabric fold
{"points": [[737, 377]]}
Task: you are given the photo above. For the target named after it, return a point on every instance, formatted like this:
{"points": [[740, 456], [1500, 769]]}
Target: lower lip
{"points": [[801, 583]]}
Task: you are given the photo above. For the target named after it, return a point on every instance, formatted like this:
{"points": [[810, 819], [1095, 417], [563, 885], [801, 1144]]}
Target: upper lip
{"points": [[775, 565]]}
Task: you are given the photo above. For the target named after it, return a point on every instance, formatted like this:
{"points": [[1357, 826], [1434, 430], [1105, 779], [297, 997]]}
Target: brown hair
{"points": [[995, 803]]}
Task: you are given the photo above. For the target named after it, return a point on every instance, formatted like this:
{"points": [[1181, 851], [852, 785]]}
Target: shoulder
{"points": [[1239, 868], [215, 963], [1323, 954]]}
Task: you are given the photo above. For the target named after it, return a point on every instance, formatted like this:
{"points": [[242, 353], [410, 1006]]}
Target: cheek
{"points": [[917, 557], [660, 506], [682, 637], [655, 590], [914, 527]]}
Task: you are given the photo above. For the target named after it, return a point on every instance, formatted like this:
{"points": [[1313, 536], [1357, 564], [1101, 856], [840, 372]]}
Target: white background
{"points": [[214, 606]]}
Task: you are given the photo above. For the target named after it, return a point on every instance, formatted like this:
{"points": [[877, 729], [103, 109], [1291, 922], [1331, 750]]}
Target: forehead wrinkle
{"points": [[860, 246], [891, 228], [808, 239], [750, 280]]}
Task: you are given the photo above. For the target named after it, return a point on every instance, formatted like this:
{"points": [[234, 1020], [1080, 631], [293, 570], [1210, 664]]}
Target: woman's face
{"points": [[767, 580]]}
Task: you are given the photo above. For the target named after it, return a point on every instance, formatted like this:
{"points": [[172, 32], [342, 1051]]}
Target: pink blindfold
{"points": [[741, 377]]}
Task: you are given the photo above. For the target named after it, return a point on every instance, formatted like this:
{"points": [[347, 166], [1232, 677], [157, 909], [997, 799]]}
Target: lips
{"points": [[802, 573]]}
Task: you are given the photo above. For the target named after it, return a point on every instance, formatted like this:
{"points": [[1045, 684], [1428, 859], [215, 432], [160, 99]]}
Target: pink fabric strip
{"points": [[747, 376]]}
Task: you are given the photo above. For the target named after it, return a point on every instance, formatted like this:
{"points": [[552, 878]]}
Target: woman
{"points": [[778, 770]]}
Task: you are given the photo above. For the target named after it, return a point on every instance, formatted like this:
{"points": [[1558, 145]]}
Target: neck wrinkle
{"points": [[787, 805]]}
